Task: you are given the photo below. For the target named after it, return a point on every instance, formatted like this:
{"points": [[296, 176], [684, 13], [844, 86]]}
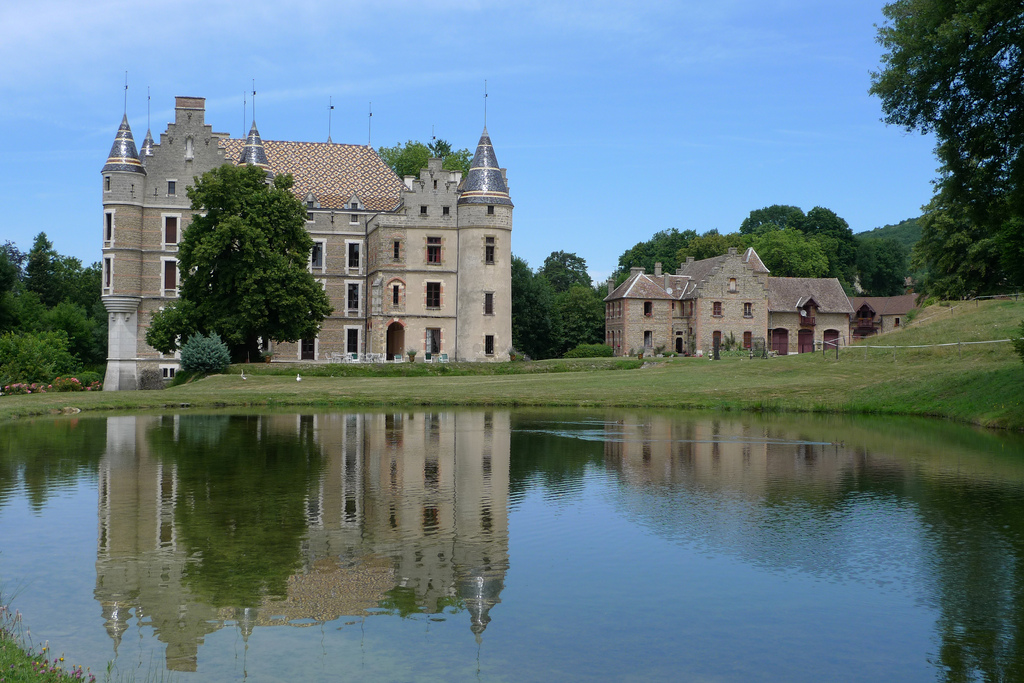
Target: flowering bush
{"points": [[67, 384], [59, 384], [19, 388]]}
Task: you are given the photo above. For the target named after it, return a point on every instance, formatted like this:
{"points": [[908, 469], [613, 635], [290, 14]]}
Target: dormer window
{"points": [[354, 205]]}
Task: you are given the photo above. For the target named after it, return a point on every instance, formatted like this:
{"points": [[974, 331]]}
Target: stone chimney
{"points": [[636, 270], [732, 251], [689, 259], [611, 285], [657, 269]]}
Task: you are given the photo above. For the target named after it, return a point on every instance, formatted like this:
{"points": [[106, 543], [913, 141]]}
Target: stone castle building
{"points": [[728, 298], [408, 263]]}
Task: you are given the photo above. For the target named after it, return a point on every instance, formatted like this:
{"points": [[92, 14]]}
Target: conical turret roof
{"points": [[123, 155], [253, 153], [484, 183], [147, 145]]}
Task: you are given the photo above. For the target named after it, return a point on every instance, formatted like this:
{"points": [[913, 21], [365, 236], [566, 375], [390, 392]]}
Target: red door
{"points": [[780, 341], [831, 339], [805, 341]]}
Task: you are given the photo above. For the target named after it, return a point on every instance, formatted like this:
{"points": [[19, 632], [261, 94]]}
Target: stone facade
{"points": [[418, 264], [729, 300]]}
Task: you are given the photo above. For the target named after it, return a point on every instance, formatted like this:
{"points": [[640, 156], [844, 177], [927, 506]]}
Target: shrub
{"points": [[590, 351], [205, 354], [34, 357], [67, 384]]}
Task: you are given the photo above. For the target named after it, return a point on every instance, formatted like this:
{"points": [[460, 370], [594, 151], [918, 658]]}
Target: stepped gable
{"points": [[789, 293], [751, 258], [332, 172], [485, 183], [698, 271], [123, 155]]}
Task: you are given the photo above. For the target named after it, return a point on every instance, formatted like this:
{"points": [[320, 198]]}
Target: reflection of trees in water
{"points": [[240, 509], [46, 454], [557, 461]]}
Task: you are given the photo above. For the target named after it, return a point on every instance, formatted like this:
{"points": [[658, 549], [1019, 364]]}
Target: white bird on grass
{"points": [[298, 378], [243, 374]]}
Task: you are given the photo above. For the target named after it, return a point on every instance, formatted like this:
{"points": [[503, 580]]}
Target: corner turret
{"points": [[253, 153]]}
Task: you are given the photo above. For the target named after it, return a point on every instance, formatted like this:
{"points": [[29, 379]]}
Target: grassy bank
{"points": [[980, 384], [23, 664]]}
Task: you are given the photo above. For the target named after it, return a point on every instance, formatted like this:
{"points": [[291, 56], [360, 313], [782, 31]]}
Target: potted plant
{"points": [[412, 355]]}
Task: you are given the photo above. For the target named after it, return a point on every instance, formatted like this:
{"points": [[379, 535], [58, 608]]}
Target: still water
{"points": [[516, 546]]}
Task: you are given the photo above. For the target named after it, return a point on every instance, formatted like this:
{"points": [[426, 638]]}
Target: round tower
{"points": [[124, 185], [485, 260]]}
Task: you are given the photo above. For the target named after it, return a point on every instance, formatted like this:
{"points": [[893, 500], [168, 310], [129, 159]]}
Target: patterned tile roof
{"points": [[787, 293], [123, 155], [885, 305], [333, 173], [484, 184]]}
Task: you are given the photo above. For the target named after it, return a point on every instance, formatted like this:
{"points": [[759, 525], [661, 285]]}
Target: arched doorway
{"points": [[831, 339], [780, 341], [805, 341], [396, 340]]}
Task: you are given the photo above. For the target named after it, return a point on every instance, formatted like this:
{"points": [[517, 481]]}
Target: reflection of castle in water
{"points": [[407, 511]]}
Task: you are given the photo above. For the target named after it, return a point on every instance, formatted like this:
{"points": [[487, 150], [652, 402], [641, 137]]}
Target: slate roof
{"points": [[333, 173], [885, 305], [484, 184], [123, 155], [645, 286], [788, 293]]}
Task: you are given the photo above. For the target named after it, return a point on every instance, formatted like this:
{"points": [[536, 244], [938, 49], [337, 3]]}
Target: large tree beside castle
{"points": [[244, 266]]}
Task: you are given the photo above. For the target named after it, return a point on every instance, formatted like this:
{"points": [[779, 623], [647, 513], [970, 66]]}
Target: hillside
{"points": [[906, 232]]}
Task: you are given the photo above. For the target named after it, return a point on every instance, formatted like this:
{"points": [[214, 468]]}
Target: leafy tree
{"points": [[75, 323], [712, 244], [906, 232], [8, 281], [1018, 342], [243, 266], [955, 69], [837, 241], [882, 264], [411, 158], [578, 316], [774, 217], [662, 248], [532, 300], [788, 253], [42, 273], [565, 270]]}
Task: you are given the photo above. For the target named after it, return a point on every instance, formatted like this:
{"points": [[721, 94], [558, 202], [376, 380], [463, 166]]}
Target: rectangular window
{"points": [[490, 209], [353, 297], [732, 284], [353, 255], [352, 341], [489, 345], [433, 295], [170, 274], [108, 227], [171, 230], [106, 183], [108, 272], [648, 339], [423, 210], [167, 371], [897, 323], [488, 303], [397, 253], [433, 250], [716, 309], [433, 340], [353, 219], [171, 188], [394, 295], [748, 310], [316, 257], [648, 308], [489, 251], [444, 209], [309, 217]]}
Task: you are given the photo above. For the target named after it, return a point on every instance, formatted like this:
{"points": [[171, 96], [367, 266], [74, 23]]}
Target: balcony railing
{"points": [[807, 321]]}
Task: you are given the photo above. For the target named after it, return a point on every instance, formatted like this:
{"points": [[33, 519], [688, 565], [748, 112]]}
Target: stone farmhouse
{"points": [[715, 300], [408, 263], [877, 314]]}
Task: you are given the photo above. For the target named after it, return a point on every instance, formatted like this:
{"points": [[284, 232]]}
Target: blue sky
{"points": [[614, 120]]}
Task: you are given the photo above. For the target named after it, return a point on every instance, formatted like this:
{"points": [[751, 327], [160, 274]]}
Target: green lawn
{"points": [[981, 384]]}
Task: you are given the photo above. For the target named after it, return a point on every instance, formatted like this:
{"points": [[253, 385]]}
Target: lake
{"points": [[520, 546]]}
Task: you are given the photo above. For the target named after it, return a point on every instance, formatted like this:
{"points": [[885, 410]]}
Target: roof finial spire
{"points": [[330, 112], [126, 92], [369, 127], [254, 100], [245, 109], [485, 103]]}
